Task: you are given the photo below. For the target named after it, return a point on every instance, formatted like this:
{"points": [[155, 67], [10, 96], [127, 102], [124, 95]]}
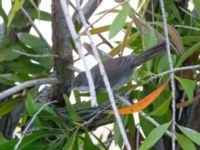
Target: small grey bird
{"points": [[118, 70]]}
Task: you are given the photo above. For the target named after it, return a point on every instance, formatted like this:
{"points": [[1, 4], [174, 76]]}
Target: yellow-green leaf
{"points": [[119, 21], [184, 142], [17, 5]]}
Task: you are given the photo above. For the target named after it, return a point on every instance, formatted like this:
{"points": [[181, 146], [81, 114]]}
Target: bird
{"points": [[118, 70]]}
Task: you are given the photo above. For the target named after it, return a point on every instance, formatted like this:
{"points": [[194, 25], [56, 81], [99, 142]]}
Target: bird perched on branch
{"points": [[118, 70]]}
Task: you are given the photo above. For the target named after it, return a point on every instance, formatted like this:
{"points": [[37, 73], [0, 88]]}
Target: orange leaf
{"points": [[142, 103]]}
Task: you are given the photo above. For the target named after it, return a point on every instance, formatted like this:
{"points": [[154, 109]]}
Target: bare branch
{"points": [[171, 75], [105, 79], [76, 39], [35, 55], [175, 70], [27, 84]]}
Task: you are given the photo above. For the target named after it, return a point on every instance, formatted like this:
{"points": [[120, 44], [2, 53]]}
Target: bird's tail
{"points": [[149, 53]]}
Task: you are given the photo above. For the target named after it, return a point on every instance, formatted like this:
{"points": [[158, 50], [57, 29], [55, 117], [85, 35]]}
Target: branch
{"points": [[175, 70], [34, 55], [78, 46], [88, 9], [171, 75], [27, 84], [105, 79]]}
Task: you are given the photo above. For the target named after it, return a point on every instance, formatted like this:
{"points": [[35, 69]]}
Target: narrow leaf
{"points": [[119, 21], [72, 112], [191, 134], [184, 142], [142, 103], [162, 109], [17, 5], [7, 107], [188, 53], [99, 29], [88, 144], [188, 86], [154, 136], [71, 142], [197, 6]]}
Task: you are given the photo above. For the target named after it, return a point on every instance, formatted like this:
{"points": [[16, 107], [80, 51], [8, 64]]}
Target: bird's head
{"points": [[80, 82]]}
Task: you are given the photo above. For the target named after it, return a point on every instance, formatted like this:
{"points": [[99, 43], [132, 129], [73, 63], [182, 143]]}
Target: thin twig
{"points": [[78, 45], [35, 55], [171, 75], [31, 122], [71, 67], [105, 78], [27, 84], [175, 70], [34, 26]]}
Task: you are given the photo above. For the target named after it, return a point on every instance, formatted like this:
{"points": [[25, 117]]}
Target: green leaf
{"points": [[71, 142], [7, 107], [34, 137], [2, 139], [42, 15], [188, 86], [191, 134], [149, 39], [25, 67], [8, 54], [117, 134], [119, 21], [34, 42], [17, 5], [8, 79], [88, 144], [188, 53], [184, 142], [162, 109], [197, 6], [154, 136], [72, 112], [30, 105]]}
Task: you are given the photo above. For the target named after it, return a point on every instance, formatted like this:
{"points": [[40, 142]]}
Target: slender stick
{"points": [[175, 70], [78, 45], [27, 84], [171, 75], [105, 78]]}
